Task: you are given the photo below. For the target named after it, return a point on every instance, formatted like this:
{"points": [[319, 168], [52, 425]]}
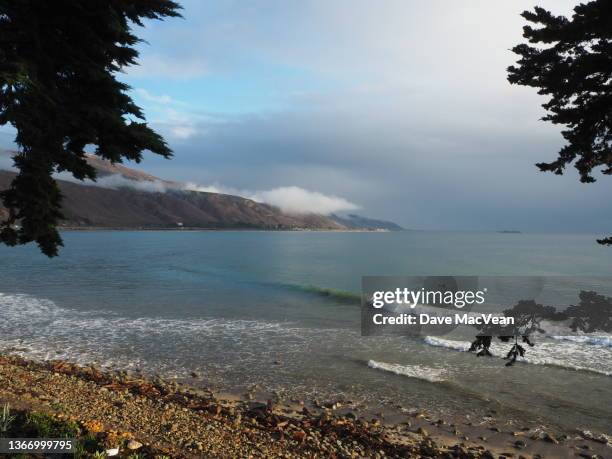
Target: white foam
{"points": [[461, 346], [39, 329], [412, 371], [605, 341], [568, 355]]}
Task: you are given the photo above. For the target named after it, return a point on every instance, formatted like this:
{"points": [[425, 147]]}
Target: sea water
{"points": [[281, 309]]}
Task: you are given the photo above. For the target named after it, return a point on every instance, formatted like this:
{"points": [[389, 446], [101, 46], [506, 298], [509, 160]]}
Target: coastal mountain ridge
{"points": [[352, 221], [142, 201]]}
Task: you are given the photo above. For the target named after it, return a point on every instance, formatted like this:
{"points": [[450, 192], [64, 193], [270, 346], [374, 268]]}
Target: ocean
{"points": [[281, 310]]}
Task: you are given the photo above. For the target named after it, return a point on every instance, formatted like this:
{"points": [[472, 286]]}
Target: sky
{"points": [[393, 109]]}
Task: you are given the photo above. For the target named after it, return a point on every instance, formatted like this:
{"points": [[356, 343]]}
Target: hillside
{"points": [[352, 221], [92, 206], [134, 199]]}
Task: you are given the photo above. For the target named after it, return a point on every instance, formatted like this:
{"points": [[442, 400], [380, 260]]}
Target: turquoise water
{"points": [[280, 309]]}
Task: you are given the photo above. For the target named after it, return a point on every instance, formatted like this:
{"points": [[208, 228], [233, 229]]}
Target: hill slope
{"points": [[128, 198], [352, 221], [92, 206]]}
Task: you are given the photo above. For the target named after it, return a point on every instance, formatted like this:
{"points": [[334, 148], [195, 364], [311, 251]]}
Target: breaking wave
{"points": [[570, 356], [604, 341], [39, 329], [412, 371]]}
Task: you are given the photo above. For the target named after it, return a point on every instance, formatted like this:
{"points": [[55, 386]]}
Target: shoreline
{"points": [[180, 420], [227, 229]]}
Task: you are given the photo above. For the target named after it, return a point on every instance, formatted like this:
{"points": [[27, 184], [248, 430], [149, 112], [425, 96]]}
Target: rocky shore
{"points": [[121, 415]]}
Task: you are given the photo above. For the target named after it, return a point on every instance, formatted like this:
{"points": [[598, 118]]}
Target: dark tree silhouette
{"points": [[58, 61], [570, 60]]}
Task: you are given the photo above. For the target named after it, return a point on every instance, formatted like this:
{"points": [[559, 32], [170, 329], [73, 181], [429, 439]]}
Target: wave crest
{"points": [[412, 371]]}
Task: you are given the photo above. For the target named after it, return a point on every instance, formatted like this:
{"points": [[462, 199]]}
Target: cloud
{"points": [[116, 181], [169, 67], [293, 199], [179, 125], [289, 199], [163, 99], [190, 186], [366, 101]]}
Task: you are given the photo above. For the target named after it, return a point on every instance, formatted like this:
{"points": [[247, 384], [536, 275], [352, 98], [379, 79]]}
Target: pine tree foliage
{"points": [[570, 61], [58, 88]]}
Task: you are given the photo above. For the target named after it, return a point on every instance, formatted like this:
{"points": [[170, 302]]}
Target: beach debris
{"points": [[299, 435], [548, 437], [599, 438], [93, 426], [133, 445], [188, 421], [332, 405]]}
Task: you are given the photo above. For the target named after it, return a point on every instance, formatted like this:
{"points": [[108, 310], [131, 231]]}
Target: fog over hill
{"points": [[123, 197]]}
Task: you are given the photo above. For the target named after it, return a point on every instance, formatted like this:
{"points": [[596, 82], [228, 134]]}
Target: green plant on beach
{"points": [[79, 451], [6, 419], [89, 445], [99, 455], [46, 426]]}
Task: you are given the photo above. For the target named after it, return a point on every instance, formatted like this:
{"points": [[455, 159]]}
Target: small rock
{"points": [[600, 438], [422, 431], [520, 444], [133, 444], [112, 452]]}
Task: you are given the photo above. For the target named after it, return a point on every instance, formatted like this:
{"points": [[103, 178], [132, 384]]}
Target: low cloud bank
{"points": [[293, 199], [290, 199], [119, 181]]}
